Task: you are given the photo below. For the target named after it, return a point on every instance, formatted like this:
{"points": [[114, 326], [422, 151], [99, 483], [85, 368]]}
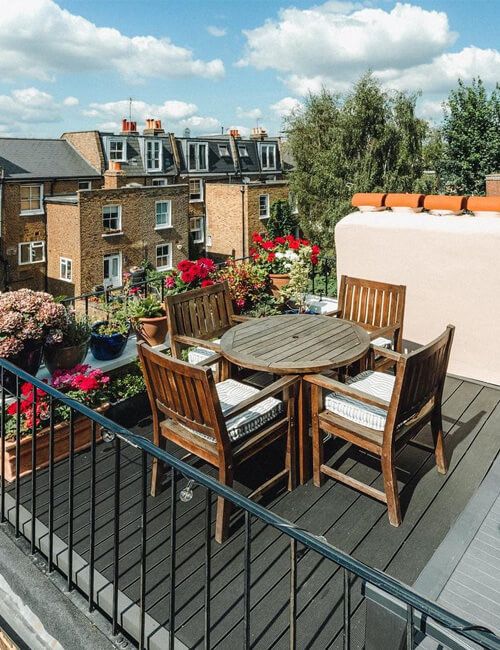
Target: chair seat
{"points": [[195, 355], [377, 384], [231, 393]]}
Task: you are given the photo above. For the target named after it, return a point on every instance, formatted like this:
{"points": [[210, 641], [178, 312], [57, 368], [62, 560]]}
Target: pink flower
{"points": [[207, 283], [170, 282]]}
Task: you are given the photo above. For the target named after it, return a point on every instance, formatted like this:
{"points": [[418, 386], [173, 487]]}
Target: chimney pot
{"points": [[234, 133], [124, 125], [157, 124]]}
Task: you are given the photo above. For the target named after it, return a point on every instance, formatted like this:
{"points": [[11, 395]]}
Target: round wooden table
{"points": [[296, 345]]}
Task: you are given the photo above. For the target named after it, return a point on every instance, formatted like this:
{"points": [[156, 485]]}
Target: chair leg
{"points": [[157, 471], [437, 436], [223, 507], [291, 442], [391, 489], [317, 438]]}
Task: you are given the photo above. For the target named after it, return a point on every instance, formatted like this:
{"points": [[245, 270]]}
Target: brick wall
{"points": [[276, 192], [63, 240], [493, 185], [88, 145]]}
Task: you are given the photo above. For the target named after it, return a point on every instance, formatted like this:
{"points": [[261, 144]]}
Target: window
{"points": [[264, 206], [31, 199], [31, 252], [159, 182], [224, 150], [153, 155], [117, 149], [65, 269], [243, 151], [197, 230], [163, 257], [84, 185], [198, 156], [267, 156], [195, 189], [112, 218], [163, 214]]}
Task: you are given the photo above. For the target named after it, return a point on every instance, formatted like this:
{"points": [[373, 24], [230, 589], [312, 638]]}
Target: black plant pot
{"points": [[106, 348], [29, 360], [130, 411], [58, 358]]}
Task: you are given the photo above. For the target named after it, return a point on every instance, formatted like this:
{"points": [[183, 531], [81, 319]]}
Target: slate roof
{"points": [[33, 158], [135, 165]]}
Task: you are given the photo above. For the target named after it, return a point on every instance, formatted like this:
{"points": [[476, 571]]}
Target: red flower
{"points": [[315, 250], [184, 265], [256, 238], [86, 383], [294, 245], [314, 260], [12, 408], [304, 242], [271, 257], [188, 276], [207, 283], [267, 245], [290, 238], [279, 240]]}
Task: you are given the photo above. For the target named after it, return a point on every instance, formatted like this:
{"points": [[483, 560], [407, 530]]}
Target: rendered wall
{"points": [[451, 268]]}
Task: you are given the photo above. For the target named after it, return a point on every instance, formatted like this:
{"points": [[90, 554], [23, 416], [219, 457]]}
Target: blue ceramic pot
{"points": [[106, 348]]}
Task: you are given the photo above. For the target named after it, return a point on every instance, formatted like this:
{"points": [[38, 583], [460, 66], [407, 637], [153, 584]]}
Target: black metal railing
{"points": [[20, 507]]}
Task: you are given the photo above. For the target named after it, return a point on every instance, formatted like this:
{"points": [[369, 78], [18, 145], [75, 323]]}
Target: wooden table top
{"points": [[295, 343]]}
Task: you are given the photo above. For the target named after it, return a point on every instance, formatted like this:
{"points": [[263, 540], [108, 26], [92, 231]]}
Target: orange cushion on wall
{"points": [[373, 199], [453, 204], [483, 203], [404, 200]]}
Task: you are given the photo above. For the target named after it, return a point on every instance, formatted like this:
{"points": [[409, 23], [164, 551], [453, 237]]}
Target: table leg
{"points": [[304, 439]]}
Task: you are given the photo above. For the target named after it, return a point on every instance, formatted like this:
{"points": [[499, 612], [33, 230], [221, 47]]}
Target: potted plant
{"points": [[27, 320], [72, 349], [190, 275], [109, 337], [247, 283], [82, 383], [149, 319], [129, 399]]}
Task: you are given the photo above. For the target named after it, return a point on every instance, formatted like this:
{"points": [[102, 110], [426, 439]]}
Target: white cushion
{"points": [[195, 355], [378, 384], [233, 392], [382, 342]]}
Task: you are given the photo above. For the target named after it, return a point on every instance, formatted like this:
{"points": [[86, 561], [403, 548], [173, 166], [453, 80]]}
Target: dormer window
{"points": [[267, 153], [224, 151], [243, 151], [198, 157], [153, 155], [117, 150]]}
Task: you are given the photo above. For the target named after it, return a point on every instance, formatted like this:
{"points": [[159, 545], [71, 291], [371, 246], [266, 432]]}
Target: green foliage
{"points": [[77, 331], [267, 306], [471, 133], [368, 140], [127, 385], [148, 307], [281, 221]]}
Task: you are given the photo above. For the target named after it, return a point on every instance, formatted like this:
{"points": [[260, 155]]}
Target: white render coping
{"points": [[321, 304]]}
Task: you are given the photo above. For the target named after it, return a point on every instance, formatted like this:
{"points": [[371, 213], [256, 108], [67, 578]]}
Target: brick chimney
{"points": [[153, 127], [234, 133], [258, 133], [128, 127], [493, 184], [114, 177]]}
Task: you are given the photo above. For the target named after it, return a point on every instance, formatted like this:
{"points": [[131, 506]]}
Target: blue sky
{"points": [[213, 64]]}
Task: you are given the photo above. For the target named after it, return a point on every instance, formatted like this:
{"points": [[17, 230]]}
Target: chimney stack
{"points": [[128, 127], [114, 177], [234, 133], [258, 133], [153, 127]]}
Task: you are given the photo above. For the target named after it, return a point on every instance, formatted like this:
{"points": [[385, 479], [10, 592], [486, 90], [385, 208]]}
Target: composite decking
{"points": [[350, 521]]}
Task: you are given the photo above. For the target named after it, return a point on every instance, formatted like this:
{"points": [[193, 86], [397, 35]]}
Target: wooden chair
{"points": [[224, 424], [377, 412], [378, 307]]}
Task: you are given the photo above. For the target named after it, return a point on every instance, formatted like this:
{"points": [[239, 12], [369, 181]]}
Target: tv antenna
{"points": [[130, 100]]}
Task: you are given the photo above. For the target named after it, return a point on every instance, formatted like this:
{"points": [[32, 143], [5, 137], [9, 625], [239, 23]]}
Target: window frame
{"points": [[67, 262], [268, 207], [159, 182], [227, 149], [197, 167], [38, 210], [169, 266], [89, 185], [152, 142], [39, 244], [123, 142], [112, 231], [200, 229], [201, 192], [244, 153], [160, 226], [267, 146]]}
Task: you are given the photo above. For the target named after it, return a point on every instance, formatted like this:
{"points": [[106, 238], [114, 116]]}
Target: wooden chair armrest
{"points": [[240, 318], [269, 391], [385, 352], [346, 389], [209, 361], [333, 313], [382, 331], [199, 343]]}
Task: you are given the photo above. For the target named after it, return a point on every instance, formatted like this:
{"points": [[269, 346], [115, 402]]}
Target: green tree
{"points": [[368, 140], [471, 134], [281, 221]]}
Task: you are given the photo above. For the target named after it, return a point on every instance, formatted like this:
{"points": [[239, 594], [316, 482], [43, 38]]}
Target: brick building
{"points": [[493, 185]]}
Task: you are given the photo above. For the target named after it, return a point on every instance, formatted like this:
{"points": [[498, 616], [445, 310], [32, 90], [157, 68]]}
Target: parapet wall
{"points": [[451, 268]]}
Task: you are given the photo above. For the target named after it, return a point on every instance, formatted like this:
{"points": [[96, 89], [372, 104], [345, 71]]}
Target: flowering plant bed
{"points": [[247, 283], [278, 255], [190, 275]]}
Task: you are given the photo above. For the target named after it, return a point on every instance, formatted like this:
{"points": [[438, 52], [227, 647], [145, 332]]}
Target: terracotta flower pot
{"points": [[278, 281], [82, 440], [57, 358], [152, 330]]}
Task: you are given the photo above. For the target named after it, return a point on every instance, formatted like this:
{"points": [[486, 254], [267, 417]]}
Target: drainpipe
{"points": [[243, 221], [3, 260]]}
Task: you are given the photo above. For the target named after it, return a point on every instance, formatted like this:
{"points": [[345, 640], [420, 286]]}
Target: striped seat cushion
{"points": [[378, 384], [195, 355], [233, 392], [382, 342]]}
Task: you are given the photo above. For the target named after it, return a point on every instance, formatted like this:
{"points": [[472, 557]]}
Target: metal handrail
{"points": [[414, 601]]}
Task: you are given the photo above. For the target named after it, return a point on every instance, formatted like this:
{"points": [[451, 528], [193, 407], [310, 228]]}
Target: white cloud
{"points": [[216, 31], [430, 110], [285, 106], [243, 130], [71, 101], [28, 106], [39, 39], [251, 114]]}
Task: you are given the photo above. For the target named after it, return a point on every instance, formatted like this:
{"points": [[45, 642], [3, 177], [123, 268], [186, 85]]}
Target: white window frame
{"points": [[153, 143], [268, 207], [168, 223], [267, 147], [123, 142], [119, 216], [39, 209], [243, 151], [159, 182], [66, 269], [201, 192], [32, 246], [224, 147], [198, 166], [87, 183], [197, 225], [168, 266]]}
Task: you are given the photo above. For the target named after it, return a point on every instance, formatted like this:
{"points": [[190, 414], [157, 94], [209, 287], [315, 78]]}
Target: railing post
{"points": [[33, 471], [92, 517], [293, 594], [116, 537], [208, 565], [173, 549], [71, 495], [347, 610], [51, 484], [144, 570], [247, 579], [2, 447]]}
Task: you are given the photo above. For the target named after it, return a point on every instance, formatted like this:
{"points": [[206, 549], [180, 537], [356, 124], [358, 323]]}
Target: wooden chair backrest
{"points": [[185, 394], [377, 304], [201, 313], [420, 376]]}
